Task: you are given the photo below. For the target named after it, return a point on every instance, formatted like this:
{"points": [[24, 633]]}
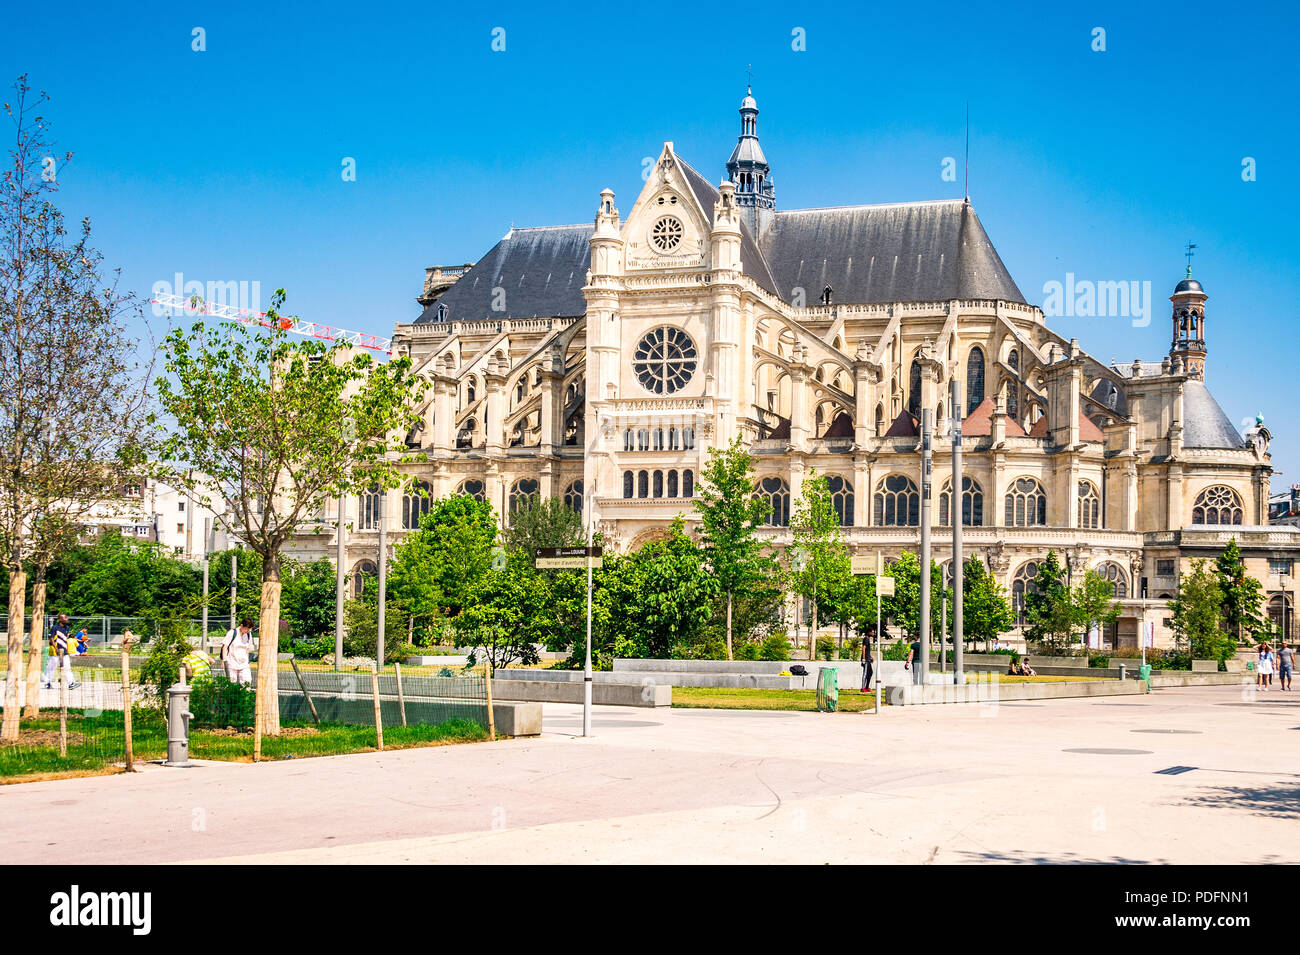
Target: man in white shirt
{"points": [[235, 650]]}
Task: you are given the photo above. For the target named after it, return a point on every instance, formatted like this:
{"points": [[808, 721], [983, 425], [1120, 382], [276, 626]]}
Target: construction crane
{"points": [[288, 323]]}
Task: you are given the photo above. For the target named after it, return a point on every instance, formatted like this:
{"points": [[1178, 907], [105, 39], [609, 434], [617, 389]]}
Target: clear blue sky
{"points": [[225, 165]]}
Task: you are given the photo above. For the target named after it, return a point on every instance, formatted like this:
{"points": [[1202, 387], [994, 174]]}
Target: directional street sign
{"points": [[885, 586], [568, 558], [863, 564]]}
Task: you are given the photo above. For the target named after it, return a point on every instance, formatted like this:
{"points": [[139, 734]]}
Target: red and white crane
{"points": [[198, 306]]}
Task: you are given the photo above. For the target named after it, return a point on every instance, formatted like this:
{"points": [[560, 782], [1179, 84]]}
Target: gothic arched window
{"points": [[415, 504], [688, 484], [1021, 584], [523, 493], [659, 484], [1281, 613], [972, 503], [1089, 505], [688, 439], [368, 511], [643, 484], [366, 570], [627, 483], [573, 496], [1013, 386], [841, 499], [897, 503], [1217, 505], [1113, 573], [880, 421], [1026, 504], [914, 389], [627, 440], [672, 483], [777, 492], [974, 379], [474, 489]]}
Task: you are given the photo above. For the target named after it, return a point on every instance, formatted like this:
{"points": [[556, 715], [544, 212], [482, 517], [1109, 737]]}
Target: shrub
{"points": [[169, 646], [897, 650], [775, 647], [219, 702], [825, 648], [1101, 660], [745, 650], [852, 649]]}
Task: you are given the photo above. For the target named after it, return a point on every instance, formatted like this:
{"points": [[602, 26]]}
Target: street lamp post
{"points": [[958, 515], [340, 582], [927, 465]]}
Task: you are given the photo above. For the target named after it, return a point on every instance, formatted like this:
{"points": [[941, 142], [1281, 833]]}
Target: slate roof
{"points": [[541, 272], [751, 258], [904, 252], [1204, 423]]}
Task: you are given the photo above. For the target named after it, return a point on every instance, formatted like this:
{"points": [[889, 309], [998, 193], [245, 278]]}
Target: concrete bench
{"points": [[571, 691], [1205, 666]]}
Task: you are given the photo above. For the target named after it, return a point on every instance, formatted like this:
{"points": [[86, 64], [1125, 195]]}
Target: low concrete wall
{"points": [[602, 694], [770, 668], [1205, 666], [511, 718], [997, 692], [1168, 678]]}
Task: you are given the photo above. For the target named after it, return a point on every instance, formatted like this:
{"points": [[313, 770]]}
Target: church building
{"points": [[599, 362]]}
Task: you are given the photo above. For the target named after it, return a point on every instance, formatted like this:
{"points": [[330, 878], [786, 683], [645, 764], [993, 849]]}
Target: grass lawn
{"points": [[96, 744]]}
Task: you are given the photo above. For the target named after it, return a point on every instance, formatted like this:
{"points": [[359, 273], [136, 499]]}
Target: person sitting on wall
{"points": [[1026, 669], [1014, 668]]}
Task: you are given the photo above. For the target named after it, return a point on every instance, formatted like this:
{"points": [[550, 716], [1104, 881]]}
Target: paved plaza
{"points": [[1195, 775]]}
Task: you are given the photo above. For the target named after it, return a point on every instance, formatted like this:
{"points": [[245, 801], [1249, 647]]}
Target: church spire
{"points": [[748, 169], [1188, 300]]}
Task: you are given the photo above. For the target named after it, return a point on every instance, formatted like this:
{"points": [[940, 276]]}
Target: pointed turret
{"points": [[748, 169]]}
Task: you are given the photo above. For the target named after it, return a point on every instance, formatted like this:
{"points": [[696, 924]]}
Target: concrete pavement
{"points": [[1194, 775]]}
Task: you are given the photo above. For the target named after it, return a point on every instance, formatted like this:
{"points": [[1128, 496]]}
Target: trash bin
{"points": [[828, 690], [1144, 672]]}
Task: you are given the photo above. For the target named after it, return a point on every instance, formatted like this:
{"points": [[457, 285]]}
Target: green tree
{"points": [[986, 612], [819, 560], [656, 602], [507, 614], [904, 607], [1093, 599], [434, 568], [1197, 608], [309, 599], [1243, 595], [269, 428], [1050, 613], [729, 513]]}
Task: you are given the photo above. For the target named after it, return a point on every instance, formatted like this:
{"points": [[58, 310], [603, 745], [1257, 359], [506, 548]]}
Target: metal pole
{"points": [[943, 631], [340, 584], [207, 531], [958, 558], [383, 575], [879, 658], [927, 464], [586, 668], [234, 574]]}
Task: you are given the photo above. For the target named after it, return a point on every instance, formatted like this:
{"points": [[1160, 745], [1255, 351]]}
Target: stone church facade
{"points": [[599, 362]]}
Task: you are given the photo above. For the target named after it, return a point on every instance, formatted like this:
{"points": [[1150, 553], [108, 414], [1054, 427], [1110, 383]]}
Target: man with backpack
{"points": [[235, 650], [59, 654]]}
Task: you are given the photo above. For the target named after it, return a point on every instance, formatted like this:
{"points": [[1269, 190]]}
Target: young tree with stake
{"points": [[273, 428]]}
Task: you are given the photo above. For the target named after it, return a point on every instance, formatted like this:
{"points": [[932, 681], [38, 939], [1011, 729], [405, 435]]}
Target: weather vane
{"points": [[1189, 253], [749, 76]]}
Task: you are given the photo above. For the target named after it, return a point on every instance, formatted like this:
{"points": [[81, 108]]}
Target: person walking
{"points": [[235, 651], [1285, 664], [1264, 667], [867, 669], [59, 654], [913, 661]]}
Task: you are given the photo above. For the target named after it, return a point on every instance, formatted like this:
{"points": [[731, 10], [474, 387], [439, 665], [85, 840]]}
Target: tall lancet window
{"points": [[914, 389], [974, 379]]}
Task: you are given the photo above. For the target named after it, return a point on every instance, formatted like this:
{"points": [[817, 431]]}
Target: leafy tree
{"points": [[904, 607], [73, 401], [552, 523], [1197, 615], [309, 599], [434, 567], [248, 583], [986, 612], [1093, 600], [544, 522], [125, 578], [656, 602], [507, 613], [268, 429], [729, 512], [820, 559], [1243, 595], [1050, 614]]}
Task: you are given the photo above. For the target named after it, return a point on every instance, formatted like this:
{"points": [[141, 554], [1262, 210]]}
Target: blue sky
{"points": [[225, 164]]}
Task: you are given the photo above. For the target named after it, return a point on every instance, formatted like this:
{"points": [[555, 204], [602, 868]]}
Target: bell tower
{"points": [[748, 169], [1189, 324]]}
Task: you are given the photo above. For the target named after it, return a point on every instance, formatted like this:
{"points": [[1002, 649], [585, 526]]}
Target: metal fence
{"points": [[105, 632], [404, 699]]}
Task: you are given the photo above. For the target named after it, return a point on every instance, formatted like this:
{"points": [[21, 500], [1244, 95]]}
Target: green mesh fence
{"points": [[348, 697]]}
